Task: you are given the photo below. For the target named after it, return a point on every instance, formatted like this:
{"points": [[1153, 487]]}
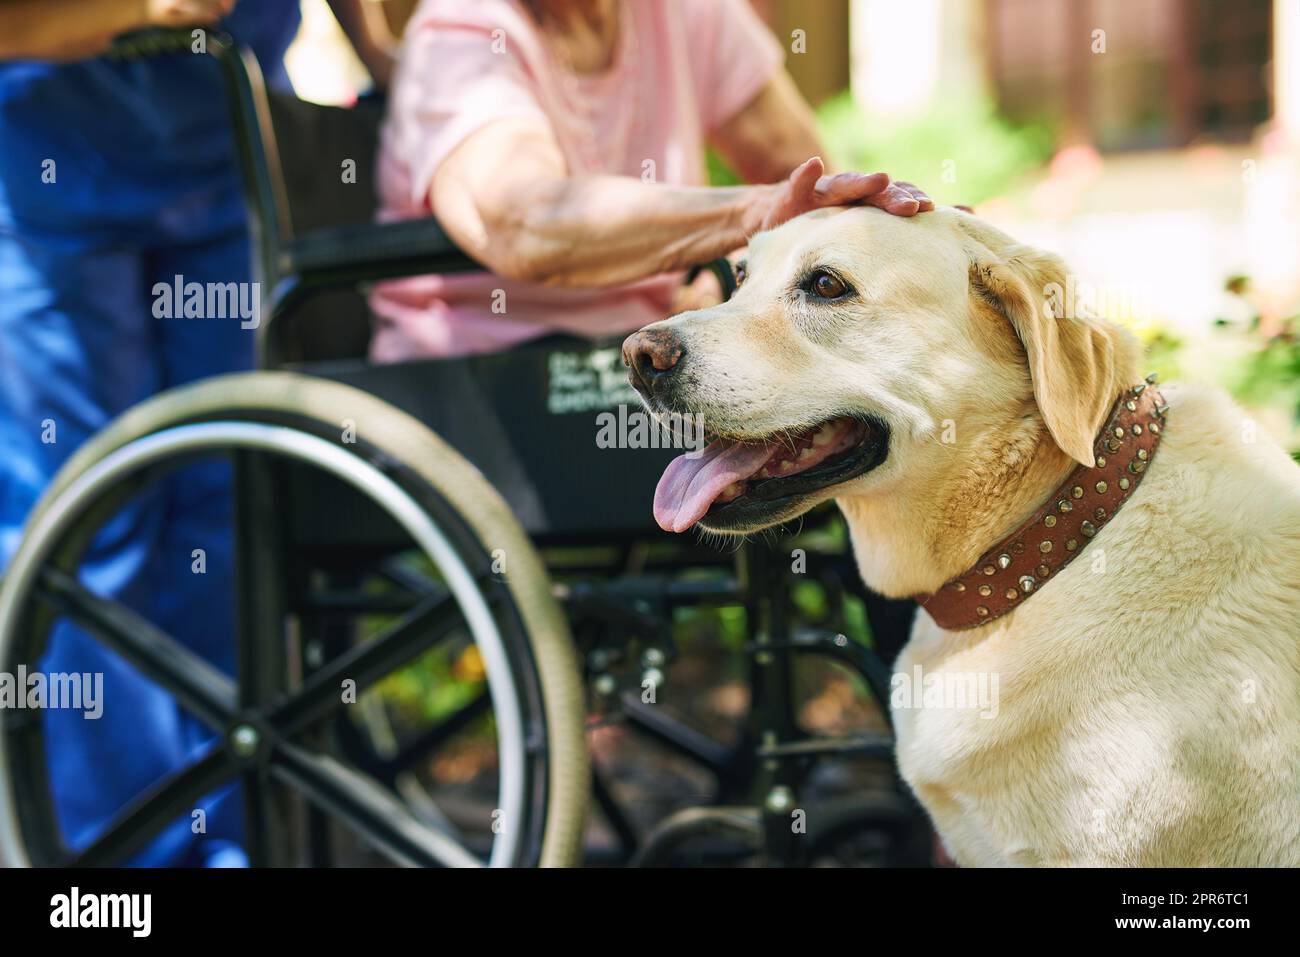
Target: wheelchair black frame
{"points": [[774, 754]]}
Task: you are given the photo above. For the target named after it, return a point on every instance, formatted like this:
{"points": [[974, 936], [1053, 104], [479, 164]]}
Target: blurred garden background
{"points": [[1154, 144]]}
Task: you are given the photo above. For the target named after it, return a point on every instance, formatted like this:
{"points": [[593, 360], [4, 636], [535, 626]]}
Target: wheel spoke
{"points": [[365, 807], [411, 580], [260, 653], [388, 769], [199, 687], [417, 631], [614, 815], [154, 809]]}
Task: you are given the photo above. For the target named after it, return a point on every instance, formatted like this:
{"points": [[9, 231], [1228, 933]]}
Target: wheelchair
{"points": [[443, 592]]}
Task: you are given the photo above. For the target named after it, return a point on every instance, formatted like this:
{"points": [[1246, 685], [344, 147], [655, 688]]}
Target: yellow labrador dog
{"points": [[1120, 566]]}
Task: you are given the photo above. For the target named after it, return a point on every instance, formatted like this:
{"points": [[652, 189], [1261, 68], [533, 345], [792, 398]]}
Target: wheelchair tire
{"points": [[407, 454]]}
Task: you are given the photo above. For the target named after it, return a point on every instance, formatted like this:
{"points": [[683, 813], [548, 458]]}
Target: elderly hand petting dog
{"points": [[562, 144], [807, 189]]}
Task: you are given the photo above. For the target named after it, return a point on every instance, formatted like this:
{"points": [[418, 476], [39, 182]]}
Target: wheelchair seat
{"points": [[528, 419]]}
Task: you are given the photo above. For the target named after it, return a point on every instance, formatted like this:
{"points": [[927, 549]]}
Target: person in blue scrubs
{"points": [[114, 176]]}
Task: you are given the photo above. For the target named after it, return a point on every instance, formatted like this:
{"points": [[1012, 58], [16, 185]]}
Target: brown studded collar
{"points": [[1054, 536]]}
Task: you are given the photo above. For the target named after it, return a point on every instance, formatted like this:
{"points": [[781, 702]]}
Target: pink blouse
{"points": [[682, 69]]}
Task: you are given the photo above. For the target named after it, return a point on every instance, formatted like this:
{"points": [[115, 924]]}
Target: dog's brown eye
{"points": [[741, 272], [826, 286]]}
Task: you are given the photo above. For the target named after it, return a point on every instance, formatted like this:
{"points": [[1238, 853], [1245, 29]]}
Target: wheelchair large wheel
{"points": [[271, 720]]}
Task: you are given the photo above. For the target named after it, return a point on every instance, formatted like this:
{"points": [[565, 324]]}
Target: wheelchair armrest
{"points": [[373, 251]]}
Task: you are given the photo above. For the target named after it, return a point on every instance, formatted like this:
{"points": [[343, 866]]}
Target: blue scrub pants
{"points": [[79, 344]]}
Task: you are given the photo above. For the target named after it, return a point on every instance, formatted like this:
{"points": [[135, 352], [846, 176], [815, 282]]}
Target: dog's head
{"points": [[856, 343]]}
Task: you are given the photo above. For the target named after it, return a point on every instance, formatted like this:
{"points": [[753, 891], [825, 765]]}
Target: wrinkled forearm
{"points": [[605, 230]]}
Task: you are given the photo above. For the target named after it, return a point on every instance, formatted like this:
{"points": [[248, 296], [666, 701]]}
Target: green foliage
{"points": [[1271, 375], [1257, 361], [1268, 374], [1164, 354], [959, 150]]}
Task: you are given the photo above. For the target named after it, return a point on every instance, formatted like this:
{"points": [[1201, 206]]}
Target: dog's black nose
{"points": [[651, 356]]}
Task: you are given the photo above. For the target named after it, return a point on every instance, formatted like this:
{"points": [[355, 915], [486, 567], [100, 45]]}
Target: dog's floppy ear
{"points": [[1077, 364]]}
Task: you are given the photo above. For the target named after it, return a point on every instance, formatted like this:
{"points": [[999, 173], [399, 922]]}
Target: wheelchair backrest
{"points": [[327, 157], [553, 425]]}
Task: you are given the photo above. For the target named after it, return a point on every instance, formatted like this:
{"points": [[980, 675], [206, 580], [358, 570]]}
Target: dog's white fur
{"points": [[1149, 694]]}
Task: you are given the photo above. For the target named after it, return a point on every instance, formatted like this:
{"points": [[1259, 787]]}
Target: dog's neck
{"points": [[919, 533]]}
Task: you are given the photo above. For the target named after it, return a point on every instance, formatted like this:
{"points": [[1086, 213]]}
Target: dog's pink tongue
{"points": [[689, 485]]}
